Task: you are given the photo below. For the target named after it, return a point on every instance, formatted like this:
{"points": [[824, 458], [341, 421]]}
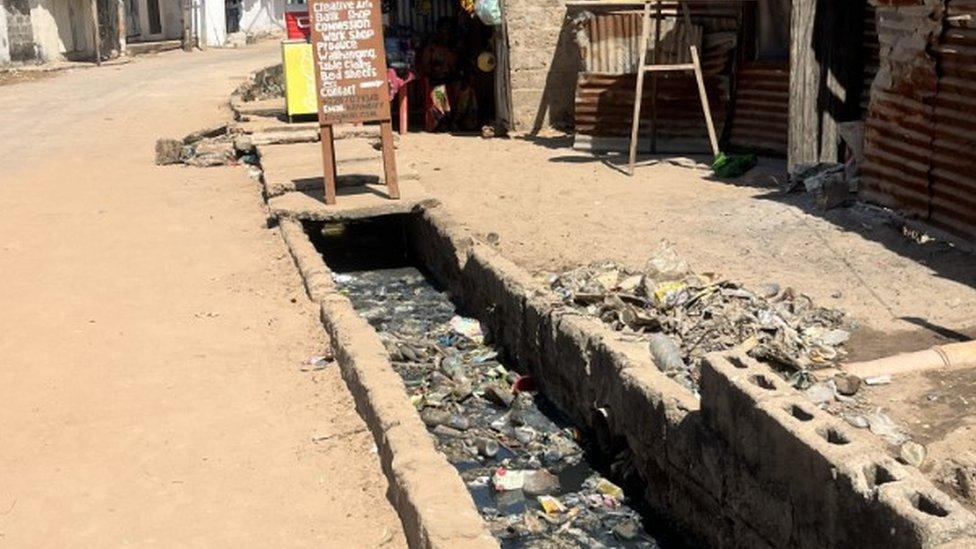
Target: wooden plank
{"points": [[825, 77], [704, 101], [329, 164], [389, 159], [638, 91], [667, 68]]}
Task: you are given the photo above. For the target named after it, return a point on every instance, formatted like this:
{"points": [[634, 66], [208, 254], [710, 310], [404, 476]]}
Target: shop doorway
{"points": [[443, 64], [232, 15], [155, 21]]}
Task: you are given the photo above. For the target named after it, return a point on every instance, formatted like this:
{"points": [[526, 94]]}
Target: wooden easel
{"points": [[656, 67], [329, 161]]}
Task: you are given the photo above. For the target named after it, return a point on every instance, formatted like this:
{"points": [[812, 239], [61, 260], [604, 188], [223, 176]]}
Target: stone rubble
{"points": [[216, 146]]}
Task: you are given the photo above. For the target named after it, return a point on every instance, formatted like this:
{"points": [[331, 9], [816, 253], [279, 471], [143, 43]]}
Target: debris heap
{"points": [[684, 315]]}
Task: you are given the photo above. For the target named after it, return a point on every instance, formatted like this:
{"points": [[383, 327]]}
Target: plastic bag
{"points": [[489, 11]]}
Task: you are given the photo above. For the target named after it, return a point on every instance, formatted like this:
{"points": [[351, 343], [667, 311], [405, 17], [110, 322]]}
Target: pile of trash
{"points": [[832, 184], [685, 315], [215, 146], [522, 462], [266, 83]]}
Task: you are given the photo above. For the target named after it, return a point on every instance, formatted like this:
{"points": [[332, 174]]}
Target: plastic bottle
{"points": [[666, 354]]}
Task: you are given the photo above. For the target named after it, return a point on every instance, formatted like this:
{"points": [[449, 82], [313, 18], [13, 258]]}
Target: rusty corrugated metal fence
{"points": [[609, 45], [921, 125], [762, 107]]}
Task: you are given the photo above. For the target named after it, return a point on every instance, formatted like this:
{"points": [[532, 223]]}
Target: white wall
{"points": [[4, 39], [214, 28], [258, 16], [171, 15], [170, 20], [62, 26]]}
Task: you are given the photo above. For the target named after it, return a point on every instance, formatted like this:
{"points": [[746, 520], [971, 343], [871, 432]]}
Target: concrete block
{"points": [[732, 385], [922, 516], [566, 369], [440, 245], [803, 450], [698, 511], [692, 451], [529, 78], [536, 325], [859, 480], [493, 287], [764, 507], [426, 493]]}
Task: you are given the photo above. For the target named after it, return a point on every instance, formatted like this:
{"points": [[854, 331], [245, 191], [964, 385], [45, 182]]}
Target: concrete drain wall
{"points": [[752, 464]]}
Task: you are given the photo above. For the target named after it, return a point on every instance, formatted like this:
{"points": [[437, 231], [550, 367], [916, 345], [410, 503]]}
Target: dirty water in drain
{"points": [[536, 479]]}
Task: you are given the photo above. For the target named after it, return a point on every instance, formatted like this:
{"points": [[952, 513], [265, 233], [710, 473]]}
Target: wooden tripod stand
{"points": [[656, 67]]}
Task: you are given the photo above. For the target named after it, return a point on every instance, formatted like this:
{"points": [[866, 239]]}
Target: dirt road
{"points": [[152, 333]]}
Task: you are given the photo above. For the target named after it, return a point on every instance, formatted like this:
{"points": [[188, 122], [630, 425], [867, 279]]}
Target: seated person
{"points": [[438, 64]]}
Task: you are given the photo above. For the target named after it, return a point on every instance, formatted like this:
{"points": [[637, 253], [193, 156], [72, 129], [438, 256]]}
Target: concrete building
{"points": [[153, 20], [216, 19], [4, 39], [41, 31]]}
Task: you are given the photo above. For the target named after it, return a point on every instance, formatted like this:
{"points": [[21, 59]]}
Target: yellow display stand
{"points": [[299, 77]]}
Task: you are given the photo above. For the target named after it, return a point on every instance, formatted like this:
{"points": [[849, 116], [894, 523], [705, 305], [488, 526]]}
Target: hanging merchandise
{"points": [[486, 61], [467, 6], [489, 11]]}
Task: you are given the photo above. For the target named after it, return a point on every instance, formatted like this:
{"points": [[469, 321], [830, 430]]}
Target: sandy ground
{"points": [[552, 207], [152, 333]]}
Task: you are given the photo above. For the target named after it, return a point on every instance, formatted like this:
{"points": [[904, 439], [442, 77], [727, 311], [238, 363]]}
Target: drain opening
{"points": [[834, 436], [799, 413], [878, 475], [738, 362], [928, 505], [529, 470], [763, 382]]}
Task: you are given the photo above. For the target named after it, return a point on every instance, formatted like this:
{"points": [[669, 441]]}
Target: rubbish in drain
{"points": [[672, 307], [523, 463]]}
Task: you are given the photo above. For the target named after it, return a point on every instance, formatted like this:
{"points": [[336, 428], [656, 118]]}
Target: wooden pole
{"points": [[389, 159], [702, 94], [639, 89], [328, 164], [120, 24], [706, 109], [98, 40], [658, 19]]}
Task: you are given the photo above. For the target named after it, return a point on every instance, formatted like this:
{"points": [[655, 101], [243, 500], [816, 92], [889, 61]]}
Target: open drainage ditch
{"points": [[536, 479]]}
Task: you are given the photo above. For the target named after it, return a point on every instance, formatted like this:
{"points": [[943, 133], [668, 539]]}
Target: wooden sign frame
{"points": [[350, 79]]}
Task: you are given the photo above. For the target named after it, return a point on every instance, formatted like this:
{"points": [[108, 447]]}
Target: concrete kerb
{"points": [[427, 493]]}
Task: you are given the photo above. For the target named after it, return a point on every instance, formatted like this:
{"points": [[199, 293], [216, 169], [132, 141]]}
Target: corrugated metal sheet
{"points": [[898, 130], [604, 107], [422, 15], [762, 104], [613, 42], [921, 126], [953, 171], [870, 53], [609, 43]]}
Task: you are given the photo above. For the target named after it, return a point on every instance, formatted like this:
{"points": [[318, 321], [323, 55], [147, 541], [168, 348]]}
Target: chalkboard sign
{"points": [[350, 61]]}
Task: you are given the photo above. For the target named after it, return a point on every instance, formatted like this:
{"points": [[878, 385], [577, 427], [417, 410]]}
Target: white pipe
{"points": [[954, 356]]}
